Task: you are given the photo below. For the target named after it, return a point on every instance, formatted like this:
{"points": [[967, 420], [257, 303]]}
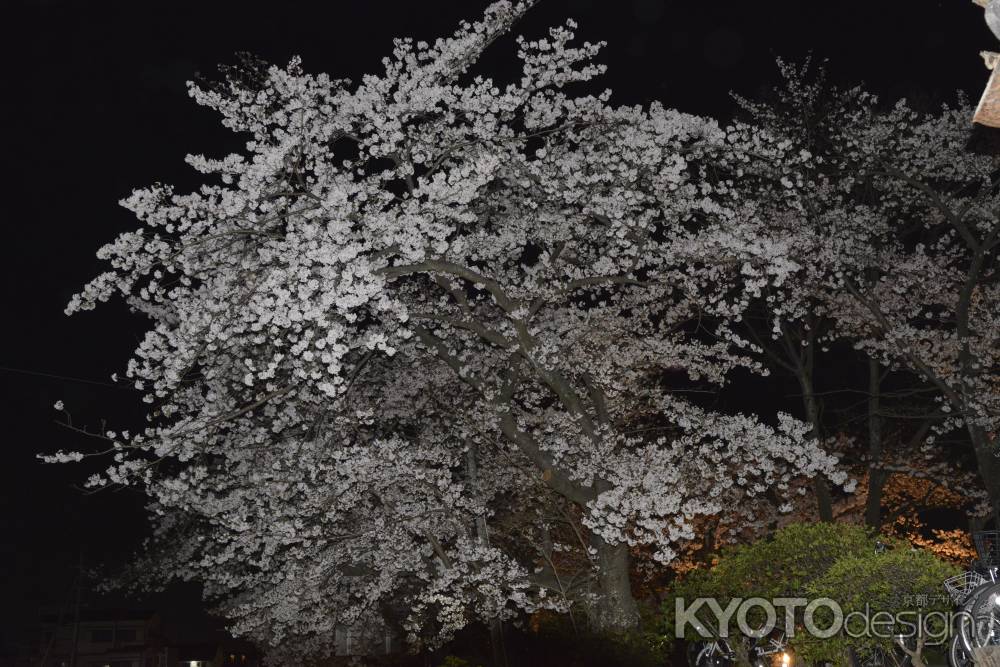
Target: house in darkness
{"points": [[105, 638], [120, 638], [376, 639]]}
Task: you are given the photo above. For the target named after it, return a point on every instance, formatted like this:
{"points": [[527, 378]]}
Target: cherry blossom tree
{"points": [[793, 163], [427, 339], [930, 298], [892, 219]]}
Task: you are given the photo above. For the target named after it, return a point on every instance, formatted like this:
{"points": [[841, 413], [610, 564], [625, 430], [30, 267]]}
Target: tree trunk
{"points": [[497, 644], [823, 502], [982, 443], [989, 467], [615, 609], [876, 475]]}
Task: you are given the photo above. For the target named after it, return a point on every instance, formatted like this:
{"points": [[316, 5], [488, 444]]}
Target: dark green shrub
{"points": [[901, 589], [783, 565], [836, 561]]}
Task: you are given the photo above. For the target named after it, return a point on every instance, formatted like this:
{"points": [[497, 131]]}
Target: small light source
{"points": [[996, 600], [786, 659]]}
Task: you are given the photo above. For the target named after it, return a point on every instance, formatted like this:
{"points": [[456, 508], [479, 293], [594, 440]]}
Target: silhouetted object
{"points": [[992, 8], [988, 109]]}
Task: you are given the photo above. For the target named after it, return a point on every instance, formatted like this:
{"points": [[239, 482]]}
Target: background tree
{"points": [[890, 217], [791, 162], [930, 298]]}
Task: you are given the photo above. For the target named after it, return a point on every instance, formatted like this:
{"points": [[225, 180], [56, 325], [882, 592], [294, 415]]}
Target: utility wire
{"points": [[67, 378]]}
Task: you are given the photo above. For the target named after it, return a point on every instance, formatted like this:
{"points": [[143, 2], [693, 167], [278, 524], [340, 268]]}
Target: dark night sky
{"points": [[96, 95]]}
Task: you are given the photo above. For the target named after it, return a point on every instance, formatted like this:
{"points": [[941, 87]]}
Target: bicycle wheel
{"points": [[713, 654], [692, 651], [980, 626], [957, 655], [878, 657], [966, 623]]}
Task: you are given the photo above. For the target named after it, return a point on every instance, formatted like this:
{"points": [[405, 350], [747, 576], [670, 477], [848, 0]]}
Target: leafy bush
{"points": [[781, 566], [899, 587], [836, 561]]}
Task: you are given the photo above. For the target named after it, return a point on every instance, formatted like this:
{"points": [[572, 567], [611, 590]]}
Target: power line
{"points": [[67, 378]]}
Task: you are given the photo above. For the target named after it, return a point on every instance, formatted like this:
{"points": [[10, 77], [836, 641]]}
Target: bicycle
{"points": [[768, 651], [976, 593]]}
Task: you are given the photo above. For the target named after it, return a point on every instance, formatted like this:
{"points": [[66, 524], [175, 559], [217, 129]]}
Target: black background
{"points": [[97, 105]]}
